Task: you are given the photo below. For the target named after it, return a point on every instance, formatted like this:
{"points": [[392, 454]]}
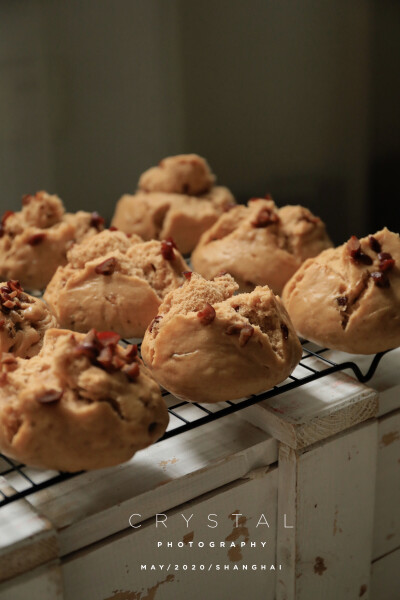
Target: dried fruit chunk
{"points": [[285, 331], [265, 217], [386, 261], [380, 279], [154, 322], [207, 315], [374, 244], [357, 255], [97, 221], [167, 249], [36, 239], [245, 334], [107, 267], [342, 301]]}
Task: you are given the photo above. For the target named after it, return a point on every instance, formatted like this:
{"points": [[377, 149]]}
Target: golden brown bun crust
{"points": [[91, 419], [34, 241], [177, 199], [260, 255], [124, 300], [248, 346], [23, 321], [187, 174], [334, 301]]}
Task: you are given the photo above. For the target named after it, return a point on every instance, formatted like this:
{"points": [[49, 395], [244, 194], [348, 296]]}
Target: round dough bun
{"points": [[114, 282], [23, 321], [207, 345], [83, 402], [177, 199], [348, 298], [260, 244], [34, 241]]}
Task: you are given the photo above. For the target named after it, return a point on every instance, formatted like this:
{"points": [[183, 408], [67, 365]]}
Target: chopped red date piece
{"points": [[233, 329], [50, 397], [108, 338], [386, 261], [14, 284], [245, 334], [131, 353], [9, 304], [97, 221], [187, 275], [36, 239], [357, 255], [207, 315], [26, 199], [6, 215], [265, 217], [167, 249], [86, 349], [156, 320], [386, 265], [113, 228], [105, 358], [374, 244], [380, 279], [342, 300], [131, 371], [117, 362], [285, 331], [2, 323], [353, 245], [107, 267]]}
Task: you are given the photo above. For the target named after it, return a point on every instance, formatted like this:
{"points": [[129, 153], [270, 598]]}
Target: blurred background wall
{"points": [[296, 98]]}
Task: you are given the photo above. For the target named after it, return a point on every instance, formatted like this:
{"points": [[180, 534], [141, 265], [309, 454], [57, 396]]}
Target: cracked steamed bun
{"points": [[114, 282], [348, 298], [207, 345], [260, 244], [89, 403], [177, 199]]}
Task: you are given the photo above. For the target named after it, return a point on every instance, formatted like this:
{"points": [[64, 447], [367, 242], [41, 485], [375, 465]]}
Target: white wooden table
{"points": [[313, 477]]}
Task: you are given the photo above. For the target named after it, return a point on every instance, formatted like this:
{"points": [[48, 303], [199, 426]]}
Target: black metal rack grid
{"points": [[18, 481]]}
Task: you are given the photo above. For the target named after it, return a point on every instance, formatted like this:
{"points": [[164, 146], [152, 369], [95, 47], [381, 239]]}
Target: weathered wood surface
{"points": [[26, 538], [386, 380], [315, 411], [385, 580], [387, 493], [43, 583], [97, 504], [111, 570], [328, 494]]}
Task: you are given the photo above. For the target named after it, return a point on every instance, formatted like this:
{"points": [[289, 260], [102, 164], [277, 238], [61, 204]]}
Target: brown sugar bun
{"points": [[348, 298], [206, 345], [260, 244], [24, 320], [114, 282], [89, 403], [177, 199], [35, 240]]}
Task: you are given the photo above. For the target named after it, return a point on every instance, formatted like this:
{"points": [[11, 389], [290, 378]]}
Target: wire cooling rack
{"points": [[18, 481]]}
